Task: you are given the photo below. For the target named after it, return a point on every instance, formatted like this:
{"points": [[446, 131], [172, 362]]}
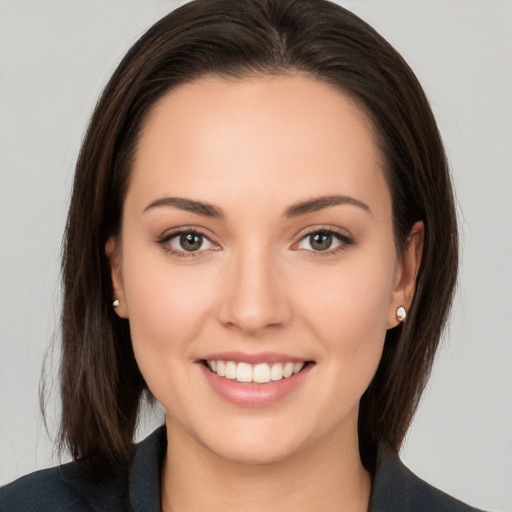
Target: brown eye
{"points": [[191, 242], [187, 242], [323, 241], [320, 241]]}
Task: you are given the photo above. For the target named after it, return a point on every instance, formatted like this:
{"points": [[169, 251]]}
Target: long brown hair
{"points": [[101, 385]]}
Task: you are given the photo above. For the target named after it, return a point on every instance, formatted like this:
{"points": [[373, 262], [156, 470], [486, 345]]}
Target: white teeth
{"points": [[244, 372], [260, 373], [221, 368], [230, 370], [288, 370], [276, 372]]}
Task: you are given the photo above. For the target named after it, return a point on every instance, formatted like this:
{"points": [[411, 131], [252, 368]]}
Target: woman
{"points": [[261, 202]]}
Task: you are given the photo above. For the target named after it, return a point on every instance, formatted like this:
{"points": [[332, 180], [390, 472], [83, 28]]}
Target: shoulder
{"points": [[65, 488], [399, 489], [61, 489]]}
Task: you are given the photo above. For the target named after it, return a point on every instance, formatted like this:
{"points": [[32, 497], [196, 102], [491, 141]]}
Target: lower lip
{"points": [[252, 394]]}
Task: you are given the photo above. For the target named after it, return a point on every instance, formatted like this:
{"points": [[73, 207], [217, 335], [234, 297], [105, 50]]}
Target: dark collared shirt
{"points": [[63, 488]]}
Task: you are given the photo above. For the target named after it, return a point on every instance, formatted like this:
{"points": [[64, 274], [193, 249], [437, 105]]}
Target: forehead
{"points": [[289, 136]]}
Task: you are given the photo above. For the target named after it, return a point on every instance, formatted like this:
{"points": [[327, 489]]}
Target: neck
{"points": [[328, 476]]}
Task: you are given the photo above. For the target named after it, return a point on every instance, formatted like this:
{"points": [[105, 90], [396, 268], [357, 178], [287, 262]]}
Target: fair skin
{"points": [[265, 275]]}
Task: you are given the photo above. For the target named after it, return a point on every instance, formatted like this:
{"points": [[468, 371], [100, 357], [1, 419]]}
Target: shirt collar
{"points": [[144, 482]]}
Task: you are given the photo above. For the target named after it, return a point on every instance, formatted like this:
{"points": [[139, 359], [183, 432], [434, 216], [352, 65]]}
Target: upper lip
{"points": [[257, 358]]}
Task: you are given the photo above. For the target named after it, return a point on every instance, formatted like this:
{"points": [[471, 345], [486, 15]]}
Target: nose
{"points": [[254, 297]]}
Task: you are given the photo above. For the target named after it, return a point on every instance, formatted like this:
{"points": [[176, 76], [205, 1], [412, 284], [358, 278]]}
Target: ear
{"points": [[406, 273], [113, 253]]}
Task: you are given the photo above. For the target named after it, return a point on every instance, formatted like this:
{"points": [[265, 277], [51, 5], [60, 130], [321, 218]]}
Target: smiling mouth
{"points": [[261, 373]]}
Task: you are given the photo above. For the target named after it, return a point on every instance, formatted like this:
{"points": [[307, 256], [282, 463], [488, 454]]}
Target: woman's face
{"points": [[257, 241]]}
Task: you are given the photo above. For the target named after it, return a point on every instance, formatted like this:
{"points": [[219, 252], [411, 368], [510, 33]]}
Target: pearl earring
{"points": [[401, 314], [115, 303]]}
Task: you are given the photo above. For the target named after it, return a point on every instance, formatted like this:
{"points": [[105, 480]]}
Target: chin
{"points": [[254, 454], [252, 446]]}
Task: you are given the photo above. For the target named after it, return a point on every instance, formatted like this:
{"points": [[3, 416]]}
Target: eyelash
{"points": [[165, 239], [345, 241]]}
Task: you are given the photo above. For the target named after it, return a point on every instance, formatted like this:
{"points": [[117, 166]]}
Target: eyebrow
{"points": [[188, 205], [319, 203], [295, 210]]}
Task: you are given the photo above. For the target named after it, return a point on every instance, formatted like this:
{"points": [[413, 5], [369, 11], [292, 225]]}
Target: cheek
{"points": [[166, 308], [168, 320], [347, 310], [352, 300], [160, 305]]}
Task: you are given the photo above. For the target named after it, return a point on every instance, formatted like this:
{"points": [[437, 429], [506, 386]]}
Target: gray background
{"points": [[55, 56]]}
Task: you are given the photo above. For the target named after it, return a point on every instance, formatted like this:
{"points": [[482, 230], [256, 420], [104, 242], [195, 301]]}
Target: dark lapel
{"points": [[397, 489]]}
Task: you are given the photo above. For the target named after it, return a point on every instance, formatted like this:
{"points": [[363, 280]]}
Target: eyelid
{"points": [[344, 239], [164, 239]]}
